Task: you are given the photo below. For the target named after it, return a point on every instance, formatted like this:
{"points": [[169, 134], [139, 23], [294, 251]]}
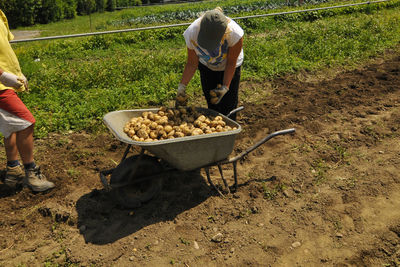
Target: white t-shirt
{"points": [[215, 60]]}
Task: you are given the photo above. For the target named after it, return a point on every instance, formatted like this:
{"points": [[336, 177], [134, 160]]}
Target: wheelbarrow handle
{"points": [[259, 143], [234, 111]]}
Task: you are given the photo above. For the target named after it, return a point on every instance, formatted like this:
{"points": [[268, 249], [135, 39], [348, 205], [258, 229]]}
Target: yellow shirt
{"points": [[8, 59]]}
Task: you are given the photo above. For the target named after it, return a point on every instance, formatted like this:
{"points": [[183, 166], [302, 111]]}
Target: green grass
{"points": [[78, 80]]}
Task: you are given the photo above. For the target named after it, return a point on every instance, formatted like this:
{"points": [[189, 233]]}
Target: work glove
{"points": [[218, 93], [24, 81], [11, 80], [181, 97]]}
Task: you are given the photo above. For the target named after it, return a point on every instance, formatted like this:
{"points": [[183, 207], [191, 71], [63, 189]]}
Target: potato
{"points": [[170, 112], [168, 128], [146, 122], [179, 134], [131, 132], [177, 121], [213, 94], [153, 135], [208, 131], [197, 131], [183, 110], [151, 116], [137, 127], [197, 123], [163, 134], [201, 118], [153, 125], [171, 133], [186, 130], [222, 123], [204, 128], [159, 127], [163, 120], [142, 134], [214, 123], [191, 119], [214, 100], [184, 117]]}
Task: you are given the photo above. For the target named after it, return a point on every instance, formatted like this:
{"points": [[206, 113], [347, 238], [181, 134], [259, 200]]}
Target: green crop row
{"points": [[193, 13]]}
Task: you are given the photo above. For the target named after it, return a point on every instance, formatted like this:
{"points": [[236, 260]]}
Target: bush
{"points": [[51, 10], [85, 7], [9, 8], [101, 5], [126, 3], [111, 5], [25, 12], [29, 12], [69, 8]]}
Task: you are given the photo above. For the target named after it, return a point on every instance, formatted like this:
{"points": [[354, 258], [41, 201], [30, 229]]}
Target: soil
{"points": [[328, 194]]}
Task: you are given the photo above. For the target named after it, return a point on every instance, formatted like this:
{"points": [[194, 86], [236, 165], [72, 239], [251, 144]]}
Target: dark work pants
{"points": [[210, 80]]}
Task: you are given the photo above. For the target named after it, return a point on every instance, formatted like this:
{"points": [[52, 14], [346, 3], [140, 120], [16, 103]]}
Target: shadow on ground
{"points": [[102, 221]]}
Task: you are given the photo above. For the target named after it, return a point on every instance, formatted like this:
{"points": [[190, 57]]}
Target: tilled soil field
{"points": [[327, 195]]}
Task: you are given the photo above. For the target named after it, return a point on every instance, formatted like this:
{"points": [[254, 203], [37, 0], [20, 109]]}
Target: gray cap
{"points": [[212, 29]]}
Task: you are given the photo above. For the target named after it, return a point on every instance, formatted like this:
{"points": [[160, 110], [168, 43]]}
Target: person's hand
{"points": [[181, 97], [24, 81], [218, 93], [181, 90], [9, 79]]}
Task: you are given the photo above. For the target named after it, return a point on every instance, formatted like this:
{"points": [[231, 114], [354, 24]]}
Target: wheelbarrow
{"points": [[138, 178]]}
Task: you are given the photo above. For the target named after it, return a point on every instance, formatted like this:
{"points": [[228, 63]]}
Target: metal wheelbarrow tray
{"points": [[184, 153], [180, 154]]}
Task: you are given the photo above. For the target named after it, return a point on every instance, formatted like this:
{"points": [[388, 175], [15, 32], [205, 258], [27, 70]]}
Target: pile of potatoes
{"points": [[168, 123]]}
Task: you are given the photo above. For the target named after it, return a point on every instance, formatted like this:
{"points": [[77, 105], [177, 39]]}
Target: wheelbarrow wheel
{"points": [[129, 187]]}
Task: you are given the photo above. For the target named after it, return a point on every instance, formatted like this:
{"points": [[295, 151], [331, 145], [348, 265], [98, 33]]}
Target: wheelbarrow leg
{"points": [[207, 170], [235, 175], [223, 179], [126, 152]]}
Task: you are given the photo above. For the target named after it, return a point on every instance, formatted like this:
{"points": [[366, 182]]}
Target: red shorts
{"points": [[14, 115]]}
